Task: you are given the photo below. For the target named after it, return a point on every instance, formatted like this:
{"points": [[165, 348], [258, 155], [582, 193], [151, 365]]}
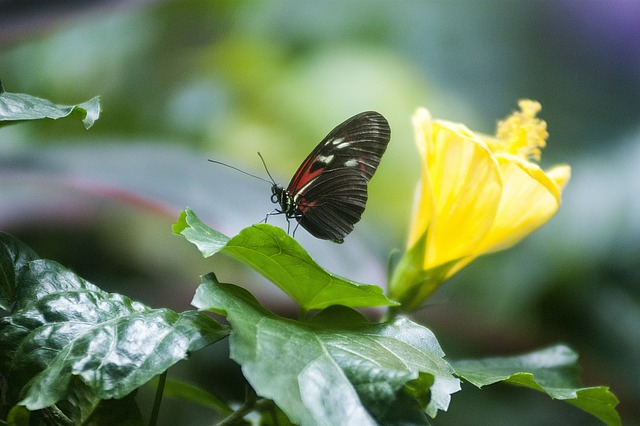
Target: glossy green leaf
{"points": [[14, 256], [278, 257], [67, 336], [335, 368], [553, 371], [16, 107]]}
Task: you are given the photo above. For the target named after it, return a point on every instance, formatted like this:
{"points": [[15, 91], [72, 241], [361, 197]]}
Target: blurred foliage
{"points": [[183, 80]]}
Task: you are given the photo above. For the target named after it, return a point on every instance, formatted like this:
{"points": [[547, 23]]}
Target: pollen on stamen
{"points": [[522, 133]]}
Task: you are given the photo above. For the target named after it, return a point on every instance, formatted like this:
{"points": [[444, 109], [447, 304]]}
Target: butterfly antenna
{"points": [[242, 171], [266, 169]]}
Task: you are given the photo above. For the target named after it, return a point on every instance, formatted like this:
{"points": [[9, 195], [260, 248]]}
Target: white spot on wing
{"points": [[351, 163], [339, 143], [326, 159]]}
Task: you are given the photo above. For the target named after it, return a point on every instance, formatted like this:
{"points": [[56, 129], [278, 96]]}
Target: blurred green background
{"points": [[183, 81]]}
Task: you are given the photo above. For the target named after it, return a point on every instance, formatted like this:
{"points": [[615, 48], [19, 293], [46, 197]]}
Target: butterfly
{"points": [[328, 193]]}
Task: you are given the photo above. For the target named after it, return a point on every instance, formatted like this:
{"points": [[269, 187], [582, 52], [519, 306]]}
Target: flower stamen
{"points": [[522, 133]]}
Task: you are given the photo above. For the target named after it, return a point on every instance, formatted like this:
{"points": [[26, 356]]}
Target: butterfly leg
{"points": [[288, 217], [272, 213], [295, 229]]}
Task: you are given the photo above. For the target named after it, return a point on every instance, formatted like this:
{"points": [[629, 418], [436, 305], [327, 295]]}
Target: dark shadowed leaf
{"points": [[14, 256], [122, 412], [553, 371], [195, 395]]}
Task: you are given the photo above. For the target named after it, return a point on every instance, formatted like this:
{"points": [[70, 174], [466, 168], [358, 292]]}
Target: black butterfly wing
{"points": [[331, 207], [330, 187]]}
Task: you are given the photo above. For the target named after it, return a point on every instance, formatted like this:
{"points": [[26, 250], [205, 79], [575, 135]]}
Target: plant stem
{"points": [[251, 403], [156, 403]]}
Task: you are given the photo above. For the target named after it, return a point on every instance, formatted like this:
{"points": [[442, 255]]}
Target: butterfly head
{"points": [[276, 193], [280, 196]]}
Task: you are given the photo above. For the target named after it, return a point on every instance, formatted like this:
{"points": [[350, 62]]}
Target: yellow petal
{"points": [[530, 198], [560, 174], [466, 186], [423, 201]]}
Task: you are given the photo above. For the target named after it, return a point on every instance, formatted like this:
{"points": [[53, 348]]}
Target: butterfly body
{"points": [[328, 193]]}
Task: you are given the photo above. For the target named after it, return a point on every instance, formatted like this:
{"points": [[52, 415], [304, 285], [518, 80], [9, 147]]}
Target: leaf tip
{"points": [[91, 110], [181, 224]]}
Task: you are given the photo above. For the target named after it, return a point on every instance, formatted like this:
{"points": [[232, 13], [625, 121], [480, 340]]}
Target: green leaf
{"points": [[18, 416], [336, 368], [279, 258], [553, 371], [14, 256], [195, 395], [208, 240], [67, 337], [16, 107]]}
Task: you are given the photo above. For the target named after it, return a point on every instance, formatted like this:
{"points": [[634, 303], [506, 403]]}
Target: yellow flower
{"points": [[478, 194]]}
